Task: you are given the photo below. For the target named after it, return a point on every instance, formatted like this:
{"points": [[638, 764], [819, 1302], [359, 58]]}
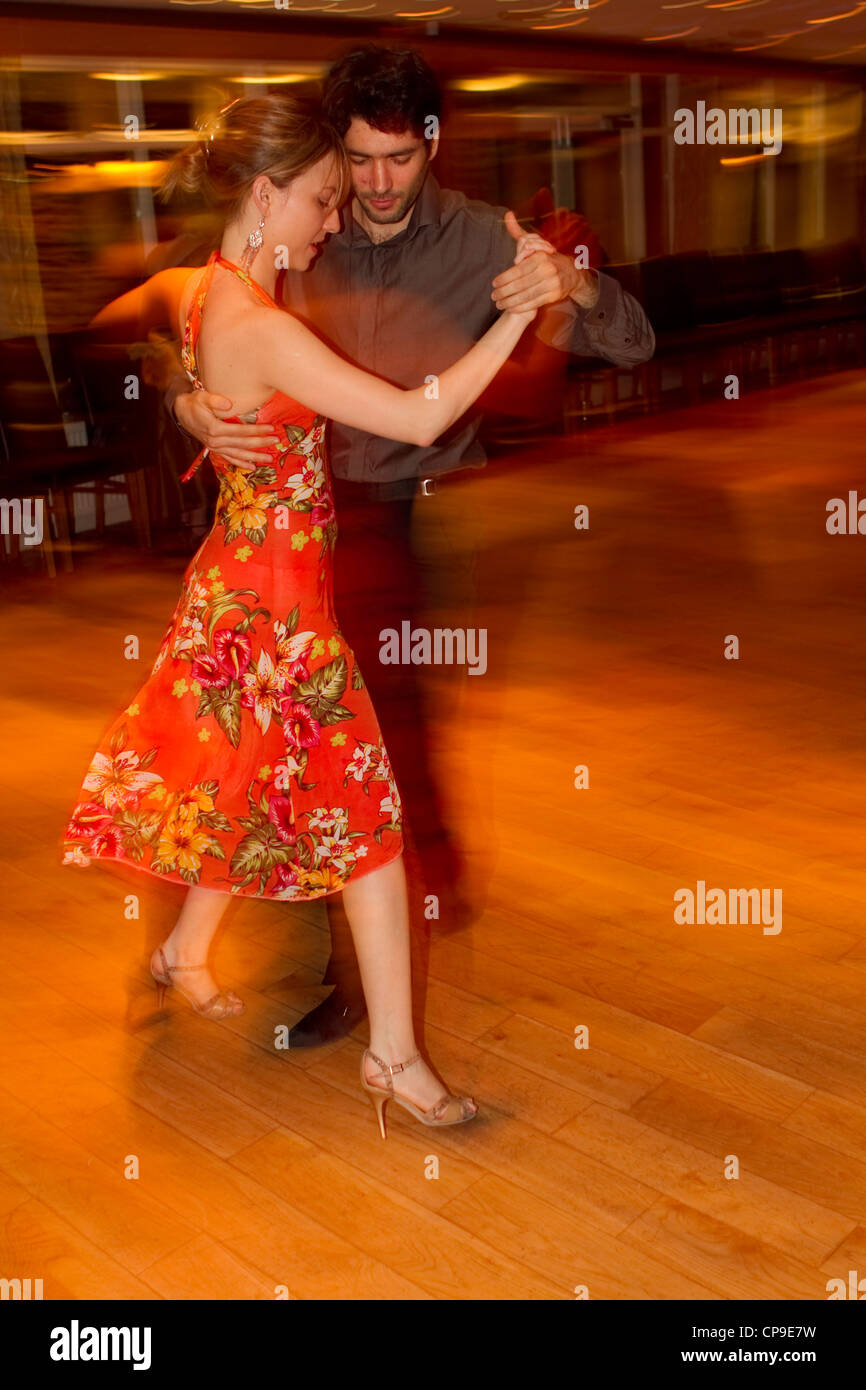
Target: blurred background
{"points": [[563, 112]]}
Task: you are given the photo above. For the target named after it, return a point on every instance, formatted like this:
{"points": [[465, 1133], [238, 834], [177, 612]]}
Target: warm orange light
{"points": [[831, 18], [274, 78], [91, 178], [128, 76], [664, 38], [505, 83], [747, 158], [568, 25], [769, 43], [843, 52]]}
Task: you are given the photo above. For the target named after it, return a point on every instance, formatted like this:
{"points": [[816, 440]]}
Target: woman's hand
{"points": [[538, 276], [529, 243]]}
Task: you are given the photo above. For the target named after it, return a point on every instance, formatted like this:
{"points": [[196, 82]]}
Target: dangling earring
{"points": [[253, 246]]}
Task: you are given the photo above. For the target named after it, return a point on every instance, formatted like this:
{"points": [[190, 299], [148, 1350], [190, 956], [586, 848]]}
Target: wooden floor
{"points": [[601, 1168]]}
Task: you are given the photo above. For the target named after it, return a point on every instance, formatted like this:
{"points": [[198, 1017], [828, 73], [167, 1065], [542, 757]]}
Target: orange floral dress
{"points": [[251, 760]]}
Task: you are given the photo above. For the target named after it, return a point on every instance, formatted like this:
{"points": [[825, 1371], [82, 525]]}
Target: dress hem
{"points": [[179, 882]]}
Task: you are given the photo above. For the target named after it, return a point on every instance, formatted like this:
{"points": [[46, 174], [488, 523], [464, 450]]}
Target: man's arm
{"points": [[178, 385], [204, 415], [615, 327]]}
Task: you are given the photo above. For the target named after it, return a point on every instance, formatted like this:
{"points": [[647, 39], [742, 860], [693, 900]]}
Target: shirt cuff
{"points": [[178, 386], [570, 328], [605, 306]]}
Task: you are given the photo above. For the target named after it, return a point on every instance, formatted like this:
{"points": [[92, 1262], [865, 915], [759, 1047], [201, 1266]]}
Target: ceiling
{"points": [[821, 31]]}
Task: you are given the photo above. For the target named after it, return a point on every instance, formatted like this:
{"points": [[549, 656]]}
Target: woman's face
{"points": [[302, 214]]}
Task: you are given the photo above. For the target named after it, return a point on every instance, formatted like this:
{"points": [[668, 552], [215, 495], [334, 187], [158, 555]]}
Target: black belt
{"points": [[426, 486]]}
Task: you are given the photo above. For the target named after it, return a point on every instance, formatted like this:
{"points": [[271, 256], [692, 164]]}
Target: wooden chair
{"points": [[59, 439]]}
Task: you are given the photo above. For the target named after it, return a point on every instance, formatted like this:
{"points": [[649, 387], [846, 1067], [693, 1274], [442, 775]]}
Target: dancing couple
{"points": [[251, 762]]}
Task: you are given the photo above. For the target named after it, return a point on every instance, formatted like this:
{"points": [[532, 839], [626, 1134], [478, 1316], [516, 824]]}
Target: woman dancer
{"points": [[251, 761]]}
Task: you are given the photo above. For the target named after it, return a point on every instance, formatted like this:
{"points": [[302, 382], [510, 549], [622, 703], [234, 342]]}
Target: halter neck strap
{"points": [[193, 325], [247, 279]]}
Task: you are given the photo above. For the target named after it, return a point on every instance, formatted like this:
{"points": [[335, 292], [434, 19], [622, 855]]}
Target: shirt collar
{"points": [[427, 211]]}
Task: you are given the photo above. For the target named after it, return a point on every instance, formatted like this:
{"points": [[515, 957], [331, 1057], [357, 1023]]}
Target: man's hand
{"points": [[202, 414], [540, 275]]}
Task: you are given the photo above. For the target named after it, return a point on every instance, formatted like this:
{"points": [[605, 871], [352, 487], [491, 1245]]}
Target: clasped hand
{"points": [[540, 274]]}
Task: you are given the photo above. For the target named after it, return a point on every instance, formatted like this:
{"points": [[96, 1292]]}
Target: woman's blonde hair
{"points": [[279, 135]]}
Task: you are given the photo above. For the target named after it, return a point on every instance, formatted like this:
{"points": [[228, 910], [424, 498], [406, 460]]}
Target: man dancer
{"points": [[415, 276]]}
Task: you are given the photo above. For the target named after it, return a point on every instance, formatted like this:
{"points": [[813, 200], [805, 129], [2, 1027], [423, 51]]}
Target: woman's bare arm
{"points": [[293, 360]]}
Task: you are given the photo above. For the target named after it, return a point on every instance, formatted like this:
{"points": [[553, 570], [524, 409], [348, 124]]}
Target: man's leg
{"points": [[375, 588], [448, 538]]}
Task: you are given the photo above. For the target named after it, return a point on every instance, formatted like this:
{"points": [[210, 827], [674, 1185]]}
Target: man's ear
{"points": [[433, 147]]}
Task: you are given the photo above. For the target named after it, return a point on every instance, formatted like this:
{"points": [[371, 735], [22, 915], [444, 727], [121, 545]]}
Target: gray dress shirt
{"points": [[409, 307]]}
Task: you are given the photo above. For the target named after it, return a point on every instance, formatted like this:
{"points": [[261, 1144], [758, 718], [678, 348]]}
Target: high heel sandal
{"points": [[447, 1110], [220, 1005]]}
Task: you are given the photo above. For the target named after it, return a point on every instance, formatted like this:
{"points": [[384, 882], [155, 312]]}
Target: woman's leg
{"points": [[190, 940], [377, 907]]}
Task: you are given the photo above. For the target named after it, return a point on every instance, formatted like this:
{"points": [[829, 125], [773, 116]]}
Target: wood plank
{"points": [[622, 1040], [793, 1224], [834, 1069], [342, 1120], [849, 1254], [419, 1244], [204, 1269], [842, 1126], [592, 1071], [91, 1196], [733, 1264], [510, 1148], [518, 988], [808, 1166], [558, 1246], [36, 1243]]}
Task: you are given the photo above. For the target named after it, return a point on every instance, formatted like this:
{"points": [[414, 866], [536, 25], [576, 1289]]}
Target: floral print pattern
{"points": [[251, 760]]}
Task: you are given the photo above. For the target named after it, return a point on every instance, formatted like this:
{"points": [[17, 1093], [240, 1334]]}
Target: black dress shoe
{"points": [[334, 1018]]}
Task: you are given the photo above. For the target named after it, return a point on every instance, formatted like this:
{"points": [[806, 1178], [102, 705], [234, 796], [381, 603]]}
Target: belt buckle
{"points": [[426, 486]]}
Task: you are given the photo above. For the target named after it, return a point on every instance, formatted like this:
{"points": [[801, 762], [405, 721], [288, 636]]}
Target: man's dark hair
{"points": [[388, 88]]}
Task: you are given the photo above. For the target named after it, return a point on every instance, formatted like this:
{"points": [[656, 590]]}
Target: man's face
{"points": [[387, 170]]}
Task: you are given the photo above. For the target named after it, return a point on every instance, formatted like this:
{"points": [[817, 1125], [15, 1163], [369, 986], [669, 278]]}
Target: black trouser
{"points": [[379, 583]]}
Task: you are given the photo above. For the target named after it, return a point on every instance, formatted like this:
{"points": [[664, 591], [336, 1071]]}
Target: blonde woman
{"points": [[251, 761]]}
